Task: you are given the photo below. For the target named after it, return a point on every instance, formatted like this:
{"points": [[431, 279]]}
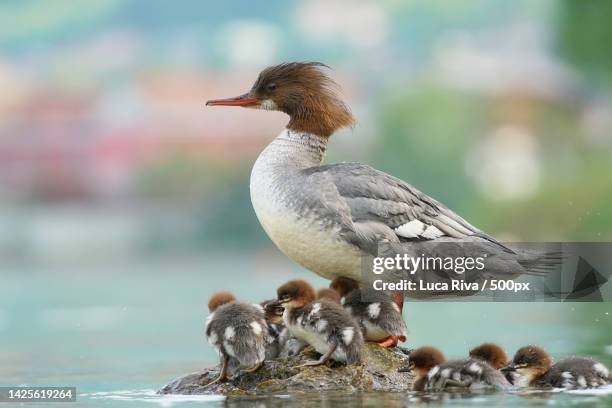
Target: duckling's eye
{"points": [[271, 87]]}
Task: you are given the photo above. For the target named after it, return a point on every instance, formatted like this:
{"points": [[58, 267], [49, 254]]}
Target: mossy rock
{"points": [[378, 372]]}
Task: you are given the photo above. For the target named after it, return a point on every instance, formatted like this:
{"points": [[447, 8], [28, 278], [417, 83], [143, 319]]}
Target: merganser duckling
{"points": [[379, 316], [276, 328], [322, 324], [328, 217], [238, 331], [328, 294], [434, 373], [535, 367], [495, 356], [283, 344]]}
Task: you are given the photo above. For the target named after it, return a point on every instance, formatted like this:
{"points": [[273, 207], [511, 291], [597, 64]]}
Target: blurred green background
{"points": [[124, 202]]}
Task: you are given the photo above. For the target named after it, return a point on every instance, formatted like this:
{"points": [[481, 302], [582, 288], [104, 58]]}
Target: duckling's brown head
{"points": [[274, 311], [343, 285], [304, 91], [295, 294], [423, 359], [328, 294], [220, 299], [490, 353], [530, 362]]}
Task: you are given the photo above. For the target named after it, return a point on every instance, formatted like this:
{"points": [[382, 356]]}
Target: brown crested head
{"points": [[328, 294], [491, 353], [219, 299], [295, 294], [304, 91], [343, 285], [530, 361], [273, 310], [424, 359]]}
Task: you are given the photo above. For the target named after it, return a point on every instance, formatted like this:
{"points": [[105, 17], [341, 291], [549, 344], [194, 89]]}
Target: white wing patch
{"points": [[475, 368], [315, 309], [601, 369], [256, 328], [374, 310], [229, 333], [412, 229], [433, 371], [347, 335], [416, 229]]}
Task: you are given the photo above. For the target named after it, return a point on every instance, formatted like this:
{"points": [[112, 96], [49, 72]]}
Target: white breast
{"points": [[374, 332], [301, 237], [315, 339]]}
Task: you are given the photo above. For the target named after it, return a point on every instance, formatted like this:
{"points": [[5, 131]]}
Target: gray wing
{"points": [[377, 206]]}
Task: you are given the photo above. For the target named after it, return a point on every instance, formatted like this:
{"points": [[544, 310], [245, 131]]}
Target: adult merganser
{"points": [[536, 369], [322, 324], [433, 373], [327, 217], [238, 331], [495, 356], [380, 317]]}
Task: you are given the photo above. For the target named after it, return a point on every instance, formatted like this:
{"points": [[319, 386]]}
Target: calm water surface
{"points": [[120, 330]]}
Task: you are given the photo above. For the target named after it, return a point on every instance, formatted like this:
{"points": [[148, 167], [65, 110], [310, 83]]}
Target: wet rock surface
{"points": [[378, 372]]}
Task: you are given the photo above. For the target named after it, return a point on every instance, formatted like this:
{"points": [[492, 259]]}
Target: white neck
{"points": [[297, 150]]}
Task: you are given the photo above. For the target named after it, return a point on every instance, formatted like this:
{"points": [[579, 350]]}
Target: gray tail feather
{"points": [[541, 263]]}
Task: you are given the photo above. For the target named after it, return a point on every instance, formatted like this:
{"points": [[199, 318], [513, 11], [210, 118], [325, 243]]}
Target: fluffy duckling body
{"points": [[238, 331], [379, 316], [495, 356], [323, 324], [281, 343], [433, 373], [277, 332], [535, 368]]}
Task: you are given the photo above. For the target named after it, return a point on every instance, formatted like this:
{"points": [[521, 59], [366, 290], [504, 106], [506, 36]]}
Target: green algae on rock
{"points": [[378, 372]]}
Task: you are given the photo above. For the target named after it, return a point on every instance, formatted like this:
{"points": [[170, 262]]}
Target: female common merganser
{"points": [[495, 356], [327, 217], [535, 367], [238, 331], [380, 317], [324, 325], [433, 373]]}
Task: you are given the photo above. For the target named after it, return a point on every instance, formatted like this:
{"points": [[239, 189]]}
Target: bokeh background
{"points": [[124, 201]]}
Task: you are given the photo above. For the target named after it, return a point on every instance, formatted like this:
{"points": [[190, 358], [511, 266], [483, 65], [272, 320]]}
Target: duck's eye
{"points": [[271, 87]]}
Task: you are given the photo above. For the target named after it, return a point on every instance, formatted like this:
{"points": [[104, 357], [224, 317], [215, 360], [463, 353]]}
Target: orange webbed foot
{"points": [[391, 341]]}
